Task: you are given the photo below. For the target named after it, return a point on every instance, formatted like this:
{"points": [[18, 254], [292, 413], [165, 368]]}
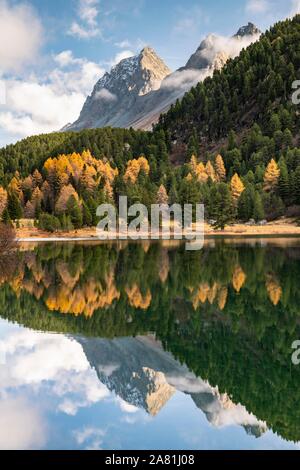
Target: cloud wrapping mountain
{"points": [[139, 89]]}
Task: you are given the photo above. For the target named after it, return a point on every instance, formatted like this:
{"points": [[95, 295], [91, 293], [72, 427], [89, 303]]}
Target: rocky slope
{"points": [[140, 88]]}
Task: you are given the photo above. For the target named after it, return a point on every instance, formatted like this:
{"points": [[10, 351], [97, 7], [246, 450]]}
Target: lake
{"points": [[148, 346]]}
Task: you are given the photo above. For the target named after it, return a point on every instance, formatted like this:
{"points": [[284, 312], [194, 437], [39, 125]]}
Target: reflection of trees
{"points": [[79, 280], [230, 313]]}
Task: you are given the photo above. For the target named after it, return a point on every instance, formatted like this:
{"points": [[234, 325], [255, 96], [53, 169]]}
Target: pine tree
{"points": [[6, 218], [86, 216], [14, 207], [74, 211], [258, 208], [246, 204], [222, 204], [284, 182]]}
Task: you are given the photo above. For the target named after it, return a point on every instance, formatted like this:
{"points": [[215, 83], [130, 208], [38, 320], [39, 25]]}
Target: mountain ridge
{"points": [[138, 89]]}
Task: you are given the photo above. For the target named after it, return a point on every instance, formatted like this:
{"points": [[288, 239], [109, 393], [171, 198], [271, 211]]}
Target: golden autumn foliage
{"points": [[274, 289], [15, 187], [209, 293], [136, 299], [220, 168], [83, 168], [210, 171], [3, 200], [238, 278], [134, 167], [272, 175], [222, 297], [236, 186], [198, 170]]}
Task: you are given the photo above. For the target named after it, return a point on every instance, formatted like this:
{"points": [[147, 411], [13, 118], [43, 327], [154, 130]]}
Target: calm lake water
{"points": [[148, 346]]}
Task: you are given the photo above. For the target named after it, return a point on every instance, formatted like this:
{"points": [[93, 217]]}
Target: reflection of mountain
{"points": [[142, 374]]}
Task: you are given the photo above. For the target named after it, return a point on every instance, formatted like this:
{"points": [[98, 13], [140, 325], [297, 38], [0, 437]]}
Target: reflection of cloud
{"points": [[188, 383], [108, 369], [91, 437], [53, 361], [21, 426], [126, 407], [105, 95]]}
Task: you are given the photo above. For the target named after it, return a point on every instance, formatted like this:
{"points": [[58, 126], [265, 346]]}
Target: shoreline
{"points": [[281, 228]]}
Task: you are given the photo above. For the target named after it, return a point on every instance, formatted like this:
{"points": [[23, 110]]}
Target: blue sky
{"points": [[53, 51]]}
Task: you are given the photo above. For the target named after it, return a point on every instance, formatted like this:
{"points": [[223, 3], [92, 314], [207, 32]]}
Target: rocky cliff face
{"points": [[140, 88], [116, 92]]}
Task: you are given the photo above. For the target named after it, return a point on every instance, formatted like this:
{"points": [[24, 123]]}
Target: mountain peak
{"points": [[249, 30]]}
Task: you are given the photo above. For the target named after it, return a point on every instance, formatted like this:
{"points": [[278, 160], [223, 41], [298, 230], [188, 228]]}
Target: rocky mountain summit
{"points": [[138, 89], [249, 30], [116, 92]]}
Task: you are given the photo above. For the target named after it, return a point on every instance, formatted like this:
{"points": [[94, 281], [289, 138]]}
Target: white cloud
{"points": [[190, 21], [295, 7], [83, 33], [135, 45], [184, 80], [121, 56], [257, 6], [20, 36], [21, 425], [34, 107], [80, 76], [65, 58], [88, 12], [106, 96]]}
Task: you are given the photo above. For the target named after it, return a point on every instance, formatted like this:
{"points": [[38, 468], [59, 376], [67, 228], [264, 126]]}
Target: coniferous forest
{"points": [[232, 143]]}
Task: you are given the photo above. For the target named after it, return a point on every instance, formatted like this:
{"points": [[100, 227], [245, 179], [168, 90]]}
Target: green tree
{"points": [[258, 208], [223, 209], [75, 213], [49, 222], [14, 207]]}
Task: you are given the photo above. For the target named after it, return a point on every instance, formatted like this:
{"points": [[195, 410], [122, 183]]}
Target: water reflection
{"points": [[153, 335]]}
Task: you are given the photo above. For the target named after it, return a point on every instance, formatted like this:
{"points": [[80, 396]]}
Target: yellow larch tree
{"points": [[272, 175], [237, 187], [220, 168], [3, 200], [210, 171], [134, 167]]}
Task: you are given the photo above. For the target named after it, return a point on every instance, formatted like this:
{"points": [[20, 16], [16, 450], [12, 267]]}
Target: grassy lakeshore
{"points": [[284, 227]]}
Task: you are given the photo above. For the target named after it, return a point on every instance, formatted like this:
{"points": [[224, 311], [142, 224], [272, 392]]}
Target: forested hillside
{"points": [[232, 143]]}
